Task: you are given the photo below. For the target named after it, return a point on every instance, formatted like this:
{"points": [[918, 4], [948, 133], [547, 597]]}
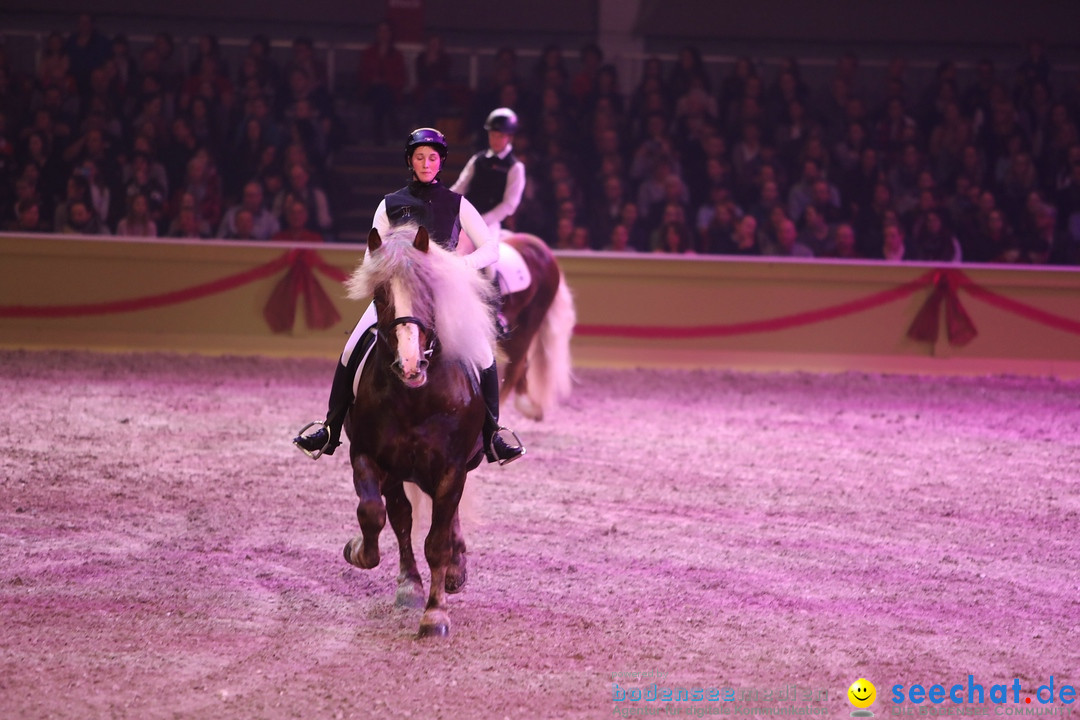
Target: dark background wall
{"points": [[863, 23], [958, 22]]}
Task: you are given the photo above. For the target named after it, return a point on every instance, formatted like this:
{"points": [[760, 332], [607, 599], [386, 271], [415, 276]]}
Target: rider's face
{"points": [[426, 163], [497, 141]]}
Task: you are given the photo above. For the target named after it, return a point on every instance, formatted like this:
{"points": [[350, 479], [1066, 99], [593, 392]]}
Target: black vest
{"points": [[488, 184], [433, 205]]}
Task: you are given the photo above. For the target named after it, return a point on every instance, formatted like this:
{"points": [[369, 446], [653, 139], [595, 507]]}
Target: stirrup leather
{"points": [[314, 454]]}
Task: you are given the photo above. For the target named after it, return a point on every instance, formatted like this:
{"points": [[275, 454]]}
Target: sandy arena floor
{"points": [[168, 554]]}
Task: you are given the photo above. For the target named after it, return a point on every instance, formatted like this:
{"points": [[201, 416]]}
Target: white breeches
{"points": [[369, 318]]}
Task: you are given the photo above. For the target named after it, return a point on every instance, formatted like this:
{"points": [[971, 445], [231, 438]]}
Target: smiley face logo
{"points": [[862, 694]]}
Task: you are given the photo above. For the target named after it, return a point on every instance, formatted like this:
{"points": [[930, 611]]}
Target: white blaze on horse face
{"points": [[408, 334]]}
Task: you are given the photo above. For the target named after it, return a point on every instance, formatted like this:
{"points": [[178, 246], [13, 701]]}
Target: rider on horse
{"points": [[493, 180], [444, 213]]}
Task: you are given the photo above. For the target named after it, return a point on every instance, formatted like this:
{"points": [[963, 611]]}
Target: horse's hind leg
{"points": [[410, 590], [363, 550], [456, 571]]}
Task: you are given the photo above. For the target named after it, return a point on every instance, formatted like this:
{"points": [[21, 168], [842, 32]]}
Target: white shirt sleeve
{"points": [[515, 187], [461, 185], [487, 244], [381, 221]]}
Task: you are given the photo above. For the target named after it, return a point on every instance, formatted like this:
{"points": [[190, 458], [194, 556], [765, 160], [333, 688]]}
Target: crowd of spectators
{"points": [[101, 141], [752, 163]]}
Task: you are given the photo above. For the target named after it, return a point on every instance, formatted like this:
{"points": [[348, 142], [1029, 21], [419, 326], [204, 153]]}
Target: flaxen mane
{"points": [[446, 294]]}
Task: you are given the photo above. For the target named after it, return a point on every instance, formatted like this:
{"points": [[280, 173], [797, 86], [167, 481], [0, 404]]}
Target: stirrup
{"points": [[313, 454], [518, 445]]}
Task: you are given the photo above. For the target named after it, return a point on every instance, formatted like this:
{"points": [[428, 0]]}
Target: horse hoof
{"points": [[409, 596], [436, 623], [440, 630], [529, 407], [362, 559]]}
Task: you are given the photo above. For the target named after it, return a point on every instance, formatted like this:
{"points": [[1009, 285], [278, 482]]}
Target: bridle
{"points": [[423, 328]]}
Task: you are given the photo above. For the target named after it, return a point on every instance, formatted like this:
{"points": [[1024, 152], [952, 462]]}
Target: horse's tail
{"points": [[549, 377], [470, 510]]}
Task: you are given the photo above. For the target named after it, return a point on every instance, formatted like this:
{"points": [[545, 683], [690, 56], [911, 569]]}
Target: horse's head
{"points": [[423, 292], [406, 314]]}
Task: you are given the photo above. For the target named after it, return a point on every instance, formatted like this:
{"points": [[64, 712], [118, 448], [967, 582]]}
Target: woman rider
{"points": [[444, 213]]}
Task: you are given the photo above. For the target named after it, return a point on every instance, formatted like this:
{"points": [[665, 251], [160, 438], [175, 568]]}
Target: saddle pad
{"points": [[511, 270]]}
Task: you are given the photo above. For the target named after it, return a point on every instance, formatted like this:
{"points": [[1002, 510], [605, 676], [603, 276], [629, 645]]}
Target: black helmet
{"points": [[502, 120], [425, 136]]}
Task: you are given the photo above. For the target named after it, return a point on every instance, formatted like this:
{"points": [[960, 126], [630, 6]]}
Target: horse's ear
{"points": [[421, 241], [374, 242]]}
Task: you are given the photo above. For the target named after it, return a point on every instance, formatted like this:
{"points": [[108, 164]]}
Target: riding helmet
{"points": [[425, 136], [502, 120]]}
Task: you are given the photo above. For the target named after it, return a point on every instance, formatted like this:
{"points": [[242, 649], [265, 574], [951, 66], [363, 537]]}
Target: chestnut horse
{"points": [[418, 412], [540, 317]]}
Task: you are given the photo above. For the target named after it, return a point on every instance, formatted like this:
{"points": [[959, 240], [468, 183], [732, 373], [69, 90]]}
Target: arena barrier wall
{"points": [[219, 297]]}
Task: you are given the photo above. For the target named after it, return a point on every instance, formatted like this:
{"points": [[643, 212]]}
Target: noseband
{"points": [[430, 332]]}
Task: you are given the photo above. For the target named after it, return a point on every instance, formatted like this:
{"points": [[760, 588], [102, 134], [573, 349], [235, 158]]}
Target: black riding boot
{"points": [[326, 439], [495, 448], [502, 327]]}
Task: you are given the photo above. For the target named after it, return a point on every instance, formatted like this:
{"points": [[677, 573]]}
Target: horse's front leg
{"points": [[410, 591], [456, 572], [363, 550], [439, 550]]}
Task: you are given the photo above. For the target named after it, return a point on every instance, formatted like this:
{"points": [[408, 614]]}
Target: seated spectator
{"points": [[857, 186], [619, 240], [244, 224], [78, 189], [82, 220], [815, 232], [745, 239], [564, 233], [258, 64], [607, 210], [674, 239], [27, 218], [673, 212], [188, 225], [995, 241], [203, 183], [845, 246], [579, 238], [716, 235], [143, 181], [264, 224], [788, 243], [639, 232], [38, 152], [801, 194], [768, 198], [298, 185], [657, 190], [893, 246], [137, 222], [934, 241], [296, 223]]}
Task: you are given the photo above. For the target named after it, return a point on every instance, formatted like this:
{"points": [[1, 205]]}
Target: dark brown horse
{"points": [[418, 411], [541, 317]]}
